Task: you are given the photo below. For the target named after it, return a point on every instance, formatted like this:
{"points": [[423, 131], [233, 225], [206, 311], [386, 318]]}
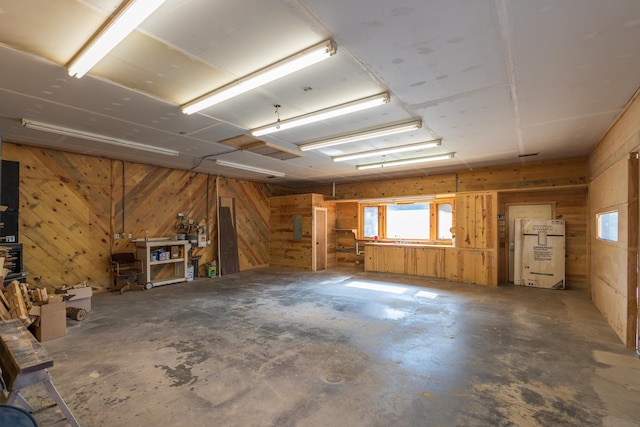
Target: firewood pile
{"points": [[17, 302]]}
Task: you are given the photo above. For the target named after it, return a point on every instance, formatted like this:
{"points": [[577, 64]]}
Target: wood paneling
{"points": [[622, 138], [252, 216], [526, 175], [459, 265], [476, 220], [284, 250], [65, 204], [568, 172], [73, 205], [570, 205], [347, 220], [614, 186], [432, 184]]}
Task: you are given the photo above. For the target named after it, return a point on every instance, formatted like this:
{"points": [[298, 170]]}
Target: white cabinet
{"points": [[164, 261]]}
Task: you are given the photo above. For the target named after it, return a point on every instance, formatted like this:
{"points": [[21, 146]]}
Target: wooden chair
{"points": [[126, 270]]}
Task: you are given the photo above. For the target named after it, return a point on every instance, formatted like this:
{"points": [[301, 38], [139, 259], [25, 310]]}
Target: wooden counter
{"points": [[466, 265], [409, 258]]}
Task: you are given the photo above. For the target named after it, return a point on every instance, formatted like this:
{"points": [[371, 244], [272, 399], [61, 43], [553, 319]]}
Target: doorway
{"points": [[319, 250], [539, 211]]}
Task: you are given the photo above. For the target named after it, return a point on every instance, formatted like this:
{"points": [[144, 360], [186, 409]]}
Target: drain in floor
{"points": [[333, 378]]}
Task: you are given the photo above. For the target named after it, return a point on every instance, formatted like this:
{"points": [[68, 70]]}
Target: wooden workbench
{"points": [[24, 362]]}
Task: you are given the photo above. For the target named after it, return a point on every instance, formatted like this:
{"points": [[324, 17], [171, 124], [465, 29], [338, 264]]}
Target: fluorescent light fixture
{"points": [[384, 131], [385, 151], [339, 110], [273, 72], [96, 137], [247, 168], [405, 162], [129, 16]]}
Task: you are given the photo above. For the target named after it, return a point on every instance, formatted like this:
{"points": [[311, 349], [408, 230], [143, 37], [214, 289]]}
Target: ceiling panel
{"points": [[493, 78]]}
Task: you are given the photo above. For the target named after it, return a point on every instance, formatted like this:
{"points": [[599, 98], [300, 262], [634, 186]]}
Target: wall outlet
{"points": [[116, 236], [129, 235]]}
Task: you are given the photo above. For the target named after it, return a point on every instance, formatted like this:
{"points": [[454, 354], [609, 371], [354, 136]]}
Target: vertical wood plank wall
{"points": [[72, 205], [612, 289], [571, 205], [475, 257]]}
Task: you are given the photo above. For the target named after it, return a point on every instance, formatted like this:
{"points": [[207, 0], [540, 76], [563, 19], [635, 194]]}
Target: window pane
{"points": [[370, 221], [408, 221], [608, 226], [445, 220]]}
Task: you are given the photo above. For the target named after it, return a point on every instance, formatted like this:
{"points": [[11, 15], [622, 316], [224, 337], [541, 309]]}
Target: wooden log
{"points": [[4, 313], [17, 306], [76, 313]]}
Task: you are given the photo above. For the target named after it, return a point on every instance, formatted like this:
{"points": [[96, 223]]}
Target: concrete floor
{"points": [[274, 347]]}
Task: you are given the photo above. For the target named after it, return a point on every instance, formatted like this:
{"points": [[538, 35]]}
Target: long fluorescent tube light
{"points": [[129, 17], [383, 131], [416, 160], [328, 113], [273, 72], [96, 137], [385, 151], [248, 168]]}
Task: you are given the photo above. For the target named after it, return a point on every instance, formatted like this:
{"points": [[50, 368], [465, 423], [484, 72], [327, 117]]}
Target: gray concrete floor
{"points": [[274, 347]]}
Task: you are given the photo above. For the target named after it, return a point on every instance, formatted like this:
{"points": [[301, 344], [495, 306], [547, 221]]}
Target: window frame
{"points": [[382, 219], [599, 234]]}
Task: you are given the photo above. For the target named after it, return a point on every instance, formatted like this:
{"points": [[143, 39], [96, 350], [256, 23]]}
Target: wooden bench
{"points": [[24, 362]]}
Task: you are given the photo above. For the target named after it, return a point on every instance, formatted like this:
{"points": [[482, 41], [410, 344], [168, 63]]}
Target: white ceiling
{"points": [[494, 79]]}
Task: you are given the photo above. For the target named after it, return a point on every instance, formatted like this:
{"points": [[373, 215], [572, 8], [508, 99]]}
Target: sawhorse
{"points": [[24, 362]]}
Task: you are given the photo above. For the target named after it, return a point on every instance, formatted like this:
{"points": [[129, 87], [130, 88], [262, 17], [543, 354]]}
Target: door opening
{"points": [[541, 211]]}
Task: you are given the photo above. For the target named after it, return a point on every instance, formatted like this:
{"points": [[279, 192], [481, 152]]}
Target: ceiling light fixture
{"points": [[383, 131], [129, 16], [416, 160], [385, 151], [277, 107], [328, 113], [248, 168], [273, 72], [96, 137]]}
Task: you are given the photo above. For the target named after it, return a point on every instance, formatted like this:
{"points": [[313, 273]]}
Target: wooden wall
{"points": [[285, 251], [475, 257], [562, 182], [347, 220], [570, 205], [65, 216], [553, 174], [252, 218], [71, 206], [613, 277]]}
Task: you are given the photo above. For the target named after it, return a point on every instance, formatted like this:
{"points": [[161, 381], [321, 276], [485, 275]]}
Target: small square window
{"points": [[607, 226]]}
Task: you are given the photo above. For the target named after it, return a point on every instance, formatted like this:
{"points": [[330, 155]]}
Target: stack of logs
{"points": [[17, 300]]}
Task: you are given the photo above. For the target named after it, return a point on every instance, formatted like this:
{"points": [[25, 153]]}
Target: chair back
{"points": [[123, 258]]}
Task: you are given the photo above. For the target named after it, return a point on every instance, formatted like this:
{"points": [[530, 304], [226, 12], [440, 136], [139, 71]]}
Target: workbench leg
{"points": [[53, 392], [22, 401]]}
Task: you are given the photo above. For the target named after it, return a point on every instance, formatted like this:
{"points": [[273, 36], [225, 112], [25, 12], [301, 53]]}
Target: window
{"points": [[607, 226], [371, 222], [421, 220]]}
